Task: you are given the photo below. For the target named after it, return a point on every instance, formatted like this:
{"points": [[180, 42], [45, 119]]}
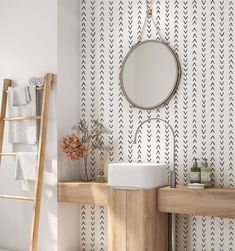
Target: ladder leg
{"points": [[41, 161], [6, 84]]}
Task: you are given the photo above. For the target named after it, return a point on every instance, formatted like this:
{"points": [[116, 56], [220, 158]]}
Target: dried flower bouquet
{"points": [[84, 138]]}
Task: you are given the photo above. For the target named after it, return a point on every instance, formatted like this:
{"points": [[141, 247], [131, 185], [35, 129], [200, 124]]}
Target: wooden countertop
{"points": [[216, 202], [181, 200], [83, 192]]}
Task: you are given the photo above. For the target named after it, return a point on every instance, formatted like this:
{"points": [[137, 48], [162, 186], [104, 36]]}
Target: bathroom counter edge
{"points": [[217, 202], [83, 192]]}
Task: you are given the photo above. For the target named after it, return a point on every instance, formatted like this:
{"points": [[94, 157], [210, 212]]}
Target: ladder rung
{"points": [[37, 88], [3, 249], [6, 249], [22, 118], [7, 154], [12, 197]]}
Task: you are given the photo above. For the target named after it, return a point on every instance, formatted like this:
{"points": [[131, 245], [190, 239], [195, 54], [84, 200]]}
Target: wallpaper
{"points": [[201, 112]]}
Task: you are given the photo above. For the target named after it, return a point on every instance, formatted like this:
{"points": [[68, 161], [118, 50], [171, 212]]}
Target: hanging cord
{"points": [[149, 14]]}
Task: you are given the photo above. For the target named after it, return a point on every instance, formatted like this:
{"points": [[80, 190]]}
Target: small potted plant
{"points": [[84, 139]]}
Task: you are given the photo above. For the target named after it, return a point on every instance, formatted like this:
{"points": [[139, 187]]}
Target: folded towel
{"points": [[21, 96], [23, 131], [26, 169]]}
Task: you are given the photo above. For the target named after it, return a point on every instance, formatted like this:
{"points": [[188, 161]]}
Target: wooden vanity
{"points": [[138, 219]]}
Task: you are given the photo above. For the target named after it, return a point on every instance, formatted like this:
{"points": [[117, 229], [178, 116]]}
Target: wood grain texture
{"points": [[162, 229], [141, 220], [83, 192], [6, 84], [13, 197], [117, 220], [41, 88], [22, 118], [138, 220], [8, 154], [134, 223], [41, 161], [215, 202]]}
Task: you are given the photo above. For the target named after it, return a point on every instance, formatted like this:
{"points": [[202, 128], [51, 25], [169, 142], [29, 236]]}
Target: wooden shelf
{"points": [[208, 202], [215, 202], [83, 192]]}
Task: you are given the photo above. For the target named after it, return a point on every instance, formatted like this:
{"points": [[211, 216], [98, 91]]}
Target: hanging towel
{"points": [[26, 169], [21, 96], [23, 131]]}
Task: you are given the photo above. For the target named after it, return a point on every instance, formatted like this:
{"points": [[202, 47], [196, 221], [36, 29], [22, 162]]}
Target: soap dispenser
{"points": [[195, 174], [206, 173]]}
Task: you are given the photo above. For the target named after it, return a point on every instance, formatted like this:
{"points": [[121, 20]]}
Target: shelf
{"points": [[215, 202], [83, 192]]}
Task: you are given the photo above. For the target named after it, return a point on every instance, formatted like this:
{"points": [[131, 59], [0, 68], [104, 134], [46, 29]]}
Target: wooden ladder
{"points": [[48, 79]]}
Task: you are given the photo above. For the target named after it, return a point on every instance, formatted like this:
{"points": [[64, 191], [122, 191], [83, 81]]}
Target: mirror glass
{"points": [[150, 74]]}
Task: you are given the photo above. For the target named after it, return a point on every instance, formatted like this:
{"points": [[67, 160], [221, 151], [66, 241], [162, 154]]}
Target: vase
{"points": [[85, 175]]}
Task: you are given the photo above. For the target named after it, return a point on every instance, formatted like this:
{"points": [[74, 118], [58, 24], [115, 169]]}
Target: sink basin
{"points": [[137, 175]]}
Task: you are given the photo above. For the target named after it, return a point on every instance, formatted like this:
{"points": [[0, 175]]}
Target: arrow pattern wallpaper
{"points": [[201, 112]]}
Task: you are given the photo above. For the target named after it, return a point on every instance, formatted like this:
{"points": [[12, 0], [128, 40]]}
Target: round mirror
{"points": [[150, 74]]}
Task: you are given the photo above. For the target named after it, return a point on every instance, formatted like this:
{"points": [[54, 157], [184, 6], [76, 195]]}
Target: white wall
{"points": [[68, 103], [28, 46]]}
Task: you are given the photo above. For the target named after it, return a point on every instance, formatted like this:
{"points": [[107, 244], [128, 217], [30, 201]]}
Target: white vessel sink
{"points": [[137, 175]]}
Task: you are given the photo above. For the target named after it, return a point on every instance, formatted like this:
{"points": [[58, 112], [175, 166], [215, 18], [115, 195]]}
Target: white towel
{"points": [[21, 96], [23, 131], [26, 169]]}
